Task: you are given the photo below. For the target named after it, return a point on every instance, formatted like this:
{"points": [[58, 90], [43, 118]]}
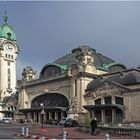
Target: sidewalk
{"points": [[72, 133]]}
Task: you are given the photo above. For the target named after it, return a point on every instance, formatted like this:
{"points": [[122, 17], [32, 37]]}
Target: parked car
{"points": [[51, 122], [62, 121], [68, 122], [6, 121]]}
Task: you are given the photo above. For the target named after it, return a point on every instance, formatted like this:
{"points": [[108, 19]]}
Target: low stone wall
{"points": [[116, 131], [84, 128]]}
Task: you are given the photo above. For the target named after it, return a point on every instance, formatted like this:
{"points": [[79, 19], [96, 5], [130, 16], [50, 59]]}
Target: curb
{"points": [[32, 137]]}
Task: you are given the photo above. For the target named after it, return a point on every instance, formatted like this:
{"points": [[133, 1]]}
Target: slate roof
{"points": [[124, 78]]}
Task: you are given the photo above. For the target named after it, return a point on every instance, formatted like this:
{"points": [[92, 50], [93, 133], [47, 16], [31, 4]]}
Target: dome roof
{"points": [[101, 62], [28, 69], [7, 31]]}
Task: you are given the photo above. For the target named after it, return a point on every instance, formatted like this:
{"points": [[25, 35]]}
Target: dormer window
{"points": [[9, 35]]}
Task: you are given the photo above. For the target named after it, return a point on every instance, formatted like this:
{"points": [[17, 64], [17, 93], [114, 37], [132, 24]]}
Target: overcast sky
{"points": [[50, 29]]}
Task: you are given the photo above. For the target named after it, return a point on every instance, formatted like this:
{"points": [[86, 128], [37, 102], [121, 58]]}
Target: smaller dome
{"points": [[28, 69], [7, 31]]}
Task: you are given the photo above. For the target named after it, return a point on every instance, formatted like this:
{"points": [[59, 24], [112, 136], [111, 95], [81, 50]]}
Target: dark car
{"points": [[51, 122], [69, 122]]}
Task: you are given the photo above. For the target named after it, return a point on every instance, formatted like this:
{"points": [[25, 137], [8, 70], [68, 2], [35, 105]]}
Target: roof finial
{"points": [[5, 17]]}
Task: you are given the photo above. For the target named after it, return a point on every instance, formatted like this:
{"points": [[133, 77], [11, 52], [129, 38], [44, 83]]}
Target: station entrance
{"points": [[55, 107]]}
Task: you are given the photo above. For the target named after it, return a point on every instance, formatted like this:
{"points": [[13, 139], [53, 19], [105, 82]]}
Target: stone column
{"points": [[39, 117], [28, 116], [113, 100], [50, 117], [56, 115], [33, 116], [45, 116], [103, 116], [49, 114], [102, 100], [113, 115], [82, 86]]}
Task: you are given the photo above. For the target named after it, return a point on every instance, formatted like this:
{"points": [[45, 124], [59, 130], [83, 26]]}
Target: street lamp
{"points": [[42, 114]]}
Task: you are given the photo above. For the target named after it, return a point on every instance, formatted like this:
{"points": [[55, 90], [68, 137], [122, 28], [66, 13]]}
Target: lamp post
{"points": [[42, 114]]}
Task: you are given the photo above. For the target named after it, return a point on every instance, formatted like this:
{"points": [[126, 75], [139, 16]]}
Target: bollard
{"points": [[43, 138], [107, 136], [22, 131], [27, 131], [64, 134]]}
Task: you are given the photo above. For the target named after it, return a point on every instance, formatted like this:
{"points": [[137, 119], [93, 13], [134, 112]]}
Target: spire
{"points": [[5, 17]]}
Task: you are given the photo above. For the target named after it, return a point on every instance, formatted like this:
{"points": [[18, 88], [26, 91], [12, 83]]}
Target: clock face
{"points": [[9, 46]]}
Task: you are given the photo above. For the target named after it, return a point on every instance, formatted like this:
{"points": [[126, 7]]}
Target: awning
{"points": [[6, 111], [104, 106], [27, 110]]}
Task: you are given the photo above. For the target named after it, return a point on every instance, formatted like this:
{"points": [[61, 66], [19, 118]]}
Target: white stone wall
{"points": [[5, 57], [132, 107]]}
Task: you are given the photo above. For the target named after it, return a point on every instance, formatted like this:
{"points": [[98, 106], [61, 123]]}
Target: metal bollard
{"points": [[23, 131], [27, 131], [43, 138], [64, 134], [107, 136]]}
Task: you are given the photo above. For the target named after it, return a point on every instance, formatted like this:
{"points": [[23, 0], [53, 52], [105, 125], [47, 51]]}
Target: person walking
{"points": [[93, 126]]}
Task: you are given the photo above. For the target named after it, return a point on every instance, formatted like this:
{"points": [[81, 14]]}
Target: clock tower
{"points": [[8, 55]]}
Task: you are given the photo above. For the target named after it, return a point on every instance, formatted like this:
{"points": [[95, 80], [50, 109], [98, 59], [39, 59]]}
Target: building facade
{"points": [[8, 55], [114, 98], [81, 82], [62, 84]]}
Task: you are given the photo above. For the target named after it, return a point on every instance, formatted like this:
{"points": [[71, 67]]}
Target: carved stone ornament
{"points": [[74, 70], [74, 104]]}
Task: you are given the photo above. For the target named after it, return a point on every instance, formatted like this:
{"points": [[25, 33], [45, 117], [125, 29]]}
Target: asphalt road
{"points": [[8, 131]]}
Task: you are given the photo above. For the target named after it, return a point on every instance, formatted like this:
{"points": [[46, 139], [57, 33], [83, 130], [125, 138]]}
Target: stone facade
{"points": [[65, 80], [8, 55], [115, 98]]}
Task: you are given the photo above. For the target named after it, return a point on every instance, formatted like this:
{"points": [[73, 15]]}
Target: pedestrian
{"points": [[94, 126]]}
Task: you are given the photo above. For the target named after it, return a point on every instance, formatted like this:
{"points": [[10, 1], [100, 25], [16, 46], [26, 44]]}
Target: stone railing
{"points": [[122, 131], [114, 130]]}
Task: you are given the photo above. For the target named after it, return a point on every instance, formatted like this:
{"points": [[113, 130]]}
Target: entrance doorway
{"points": [[108, 116], [55, 106]]}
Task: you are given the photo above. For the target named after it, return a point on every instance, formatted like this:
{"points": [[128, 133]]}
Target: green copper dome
{"points": [[7, 31]]}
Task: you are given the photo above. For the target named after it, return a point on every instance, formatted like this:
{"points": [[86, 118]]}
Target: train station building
{"points": [[81, 82]]}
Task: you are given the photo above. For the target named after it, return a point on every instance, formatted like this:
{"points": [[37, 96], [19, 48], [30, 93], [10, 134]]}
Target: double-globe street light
{"points": [[42, 113]]}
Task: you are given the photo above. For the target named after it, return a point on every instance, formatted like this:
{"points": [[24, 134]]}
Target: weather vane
{"points": [[5, 17]]}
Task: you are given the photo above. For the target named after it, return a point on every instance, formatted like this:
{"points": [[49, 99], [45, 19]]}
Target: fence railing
{"points": [[114, 130]]}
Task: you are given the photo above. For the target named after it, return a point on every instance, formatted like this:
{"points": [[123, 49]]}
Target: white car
{"points": [[6, 121], [62, 122]]}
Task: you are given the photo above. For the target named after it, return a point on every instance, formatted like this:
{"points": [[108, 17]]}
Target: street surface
{"points": [[8, 131]]}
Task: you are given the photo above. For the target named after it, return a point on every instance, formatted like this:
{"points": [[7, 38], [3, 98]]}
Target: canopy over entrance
{"points": [[104, 106]]}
